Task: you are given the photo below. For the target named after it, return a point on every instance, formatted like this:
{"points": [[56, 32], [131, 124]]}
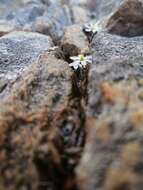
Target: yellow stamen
{"points": [[81, 57]]}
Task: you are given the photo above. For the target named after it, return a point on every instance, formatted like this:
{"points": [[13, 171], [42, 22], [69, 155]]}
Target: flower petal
{"points": [[74, 58]]}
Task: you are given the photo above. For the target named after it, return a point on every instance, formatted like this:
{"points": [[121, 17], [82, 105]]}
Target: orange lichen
{"points": [[110, 94], [131, 153], [103, 132], [137, 118], [118, 178]]}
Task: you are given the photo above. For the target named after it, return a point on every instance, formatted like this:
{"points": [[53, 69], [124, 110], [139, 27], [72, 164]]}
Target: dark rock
{"points": [[127, 20]]}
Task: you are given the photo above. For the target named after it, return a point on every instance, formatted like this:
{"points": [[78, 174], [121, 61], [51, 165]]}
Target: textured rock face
{"points": [[46, 82], [19, 49], [40, 91], [74, 41], [68, 129], [115, 57], [127, 20], [113, 153]]}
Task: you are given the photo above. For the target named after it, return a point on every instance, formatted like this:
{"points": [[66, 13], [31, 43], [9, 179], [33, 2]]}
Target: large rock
{"points": [[26, 114], [112, 158], [17, 51], [111, 51], [127, 20], [114, 115], [115, 58]]}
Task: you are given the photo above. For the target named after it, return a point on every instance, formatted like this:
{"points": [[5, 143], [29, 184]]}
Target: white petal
{"points": [[74, 58], [75, 64], [84, 63]]}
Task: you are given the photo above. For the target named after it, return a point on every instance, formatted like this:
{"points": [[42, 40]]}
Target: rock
{"points": [[33, 89], [111, 50], [127, 19], [74, 41], [114, 115], [112, 157], [26, 111], [115, 58], [80, 14], [103, 8], [18, 50], [46, 18], [53, 24], [9, 5], [5, 29]]}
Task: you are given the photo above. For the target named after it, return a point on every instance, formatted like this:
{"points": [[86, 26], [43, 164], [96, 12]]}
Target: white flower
{"points": [[92, 27], [80, 61]]}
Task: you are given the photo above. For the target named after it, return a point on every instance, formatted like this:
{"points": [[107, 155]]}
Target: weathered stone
{"points": [[74, 41], [18, 50], [26, 112], [127, 20], [111, 51], [115, 58], [46, 82], [112, 158]]}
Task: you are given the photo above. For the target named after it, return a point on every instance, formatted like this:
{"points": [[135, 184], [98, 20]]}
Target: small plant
{"points": [[91, 29], [80, 61]]}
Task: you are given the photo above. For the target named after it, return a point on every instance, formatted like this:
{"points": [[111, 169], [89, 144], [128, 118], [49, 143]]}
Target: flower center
{"points": [[81, 57]]}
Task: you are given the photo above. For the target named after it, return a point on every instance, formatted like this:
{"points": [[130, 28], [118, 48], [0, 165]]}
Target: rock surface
{"points": [[47, 18], [74, 41], [116, 58], [127, 19], [26, 110], [112, 157], [65, 128], [17, 51]]}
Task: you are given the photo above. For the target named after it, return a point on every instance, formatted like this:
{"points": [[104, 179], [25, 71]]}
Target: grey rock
{"points": [[18, 50], [116, 56], [115, 59], [47, 18], [103, 8]]}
